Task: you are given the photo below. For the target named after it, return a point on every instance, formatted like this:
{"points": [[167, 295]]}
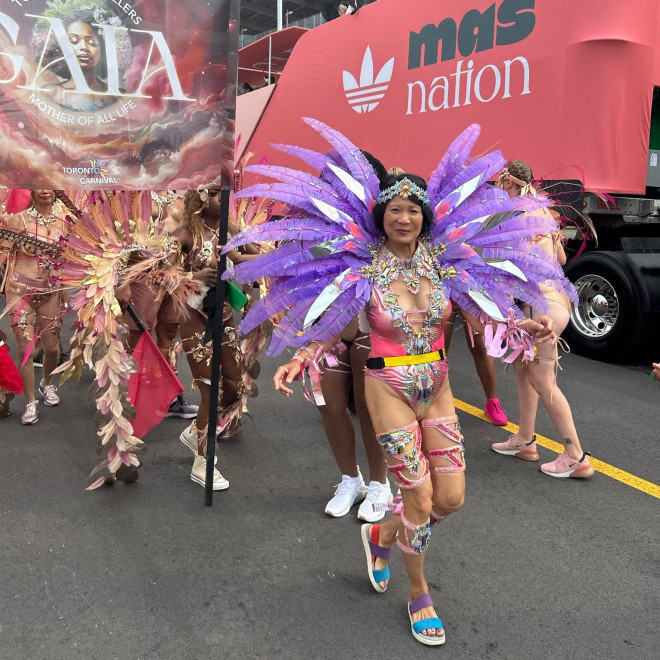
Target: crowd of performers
{"points": [[97, 255], [362, 270]]}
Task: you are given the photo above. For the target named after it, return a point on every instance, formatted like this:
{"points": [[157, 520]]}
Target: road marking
{"points": [[631, 480]]}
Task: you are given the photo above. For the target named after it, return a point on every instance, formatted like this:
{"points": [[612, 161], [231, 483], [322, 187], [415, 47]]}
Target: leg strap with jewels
{"points": [[405, 445], [415, 537], [455, 456]]}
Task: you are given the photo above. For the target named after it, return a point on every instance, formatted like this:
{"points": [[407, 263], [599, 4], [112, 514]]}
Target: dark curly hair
{"points": [[379, 209]]}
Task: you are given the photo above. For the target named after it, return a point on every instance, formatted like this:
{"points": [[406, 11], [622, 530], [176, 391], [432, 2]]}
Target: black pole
{"points": [[216, 360], [136, 318], [227, 43]]}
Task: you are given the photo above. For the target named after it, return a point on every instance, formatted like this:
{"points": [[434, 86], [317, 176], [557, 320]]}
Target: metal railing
{"points": [[308, 22]]}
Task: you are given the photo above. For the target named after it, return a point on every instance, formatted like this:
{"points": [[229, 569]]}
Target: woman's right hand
{"points": [[206, 276], [287, 373]]}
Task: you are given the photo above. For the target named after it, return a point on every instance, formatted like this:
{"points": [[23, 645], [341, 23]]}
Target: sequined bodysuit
{"points": [[393, 329]]}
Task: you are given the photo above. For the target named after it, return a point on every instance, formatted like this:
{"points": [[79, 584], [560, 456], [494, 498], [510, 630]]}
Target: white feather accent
{"points": [[331, 212], [352, 184], [486, 304], [324, 299], [506, 265]]}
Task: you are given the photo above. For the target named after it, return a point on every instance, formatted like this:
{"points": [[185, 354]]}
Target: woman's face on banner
{"points": [[85, 44]]}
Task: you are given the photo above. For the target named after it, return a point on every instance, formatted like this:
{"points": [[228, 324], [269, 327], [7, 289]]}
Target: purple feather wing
{"points": [[453, 159], [272, 263], [290, 229], [312, 158], [358, 166], [289, 327], [271, 305]]}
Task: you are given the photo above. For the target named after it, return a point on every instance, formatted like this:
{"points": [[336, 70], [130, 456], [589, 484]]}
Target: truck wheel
{"points": [[606, 322]]}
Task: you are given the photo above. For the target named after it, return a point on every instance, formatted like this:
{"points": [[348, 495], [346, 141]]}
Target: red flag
{"points": [[152, 388], [18, 200], [10, 379]]}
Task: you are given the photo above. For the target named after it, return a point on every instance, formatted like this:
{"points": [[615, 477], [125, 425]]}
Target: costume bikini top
{"points": [[204, 254], [393, 330]]}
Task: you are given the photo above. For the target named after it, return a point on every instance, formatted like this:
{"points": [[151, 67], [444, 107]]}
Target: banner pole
{"points": [[216, 361], [230, 25]]}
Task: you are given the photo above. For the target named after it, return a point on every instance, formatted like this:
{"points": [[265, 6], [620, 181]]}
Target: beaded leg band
{"points": [[405, 446], [455, 456], [416, 537]]}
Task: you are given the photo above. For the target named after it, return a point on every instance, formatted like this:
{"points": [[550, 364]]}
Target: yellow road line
{"points": [[631, 480]]}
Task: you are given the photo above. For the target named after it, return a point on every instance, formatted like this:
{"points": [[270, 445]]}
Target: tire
{"points": [[606, 324]]}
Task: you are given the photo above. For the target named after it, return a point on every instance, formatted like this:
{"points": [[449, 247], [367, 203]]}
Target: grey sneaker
{"points": [[181, 408]]}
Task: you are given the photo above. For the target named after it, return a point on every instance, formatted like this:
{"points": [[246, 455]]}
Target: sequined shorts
{"points": [[418, 385]]}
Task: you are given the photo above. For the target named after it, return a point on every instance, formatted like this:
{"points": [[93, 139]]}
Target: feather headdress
{"points": [[484, 263]]}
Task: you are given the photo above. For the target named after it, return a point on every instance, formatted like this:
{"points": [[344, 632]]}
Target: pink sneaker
{"points": [[31, 415], [49, 393], [565, 466], [494, 412], [516, 447]]}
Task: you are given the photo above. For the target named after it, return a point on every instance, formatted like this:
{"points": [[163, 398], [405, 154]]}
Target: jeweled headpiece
{"points": [[404, 188]]}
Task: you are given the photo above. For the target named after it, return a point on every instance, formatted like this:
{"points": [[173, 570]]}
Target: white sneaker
{"points": [[349, 491], [198, 474], [378, 497]]}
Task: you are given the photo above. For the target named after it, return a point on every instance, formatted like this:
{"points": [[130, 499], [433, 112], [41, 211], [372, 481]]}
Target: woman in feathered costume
{"points": [[537, 379], [32, 249], [401, 251]]}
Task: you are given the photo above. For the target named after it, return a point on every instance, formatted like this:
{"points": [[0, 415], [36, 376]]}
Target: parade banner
{"points": [[115, 94]]}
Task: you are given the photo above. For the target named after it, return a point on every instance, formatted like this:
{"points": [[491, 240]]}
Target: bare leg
{"points": [[541, 376], [337, 423], [165, 335], [528, 401], [48, 327], [390, 413], [22, 326], [537, 379], [199, 360], [483, 364], [377, 464], [449, 329]]}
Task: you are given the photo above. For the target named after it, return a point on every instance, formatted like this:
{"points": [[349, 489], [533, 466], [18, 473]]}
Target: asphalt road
{"points": [[531, 567]]}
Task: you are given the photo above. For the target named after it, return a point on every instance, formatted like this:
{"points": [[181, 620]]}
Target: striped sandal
{"points": [[370, 536], [419, 603]]}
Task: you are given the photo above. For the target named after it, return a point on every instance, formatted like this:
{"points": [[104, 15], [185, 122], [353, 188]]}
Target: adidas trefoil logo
{"points": [[366, 95]]}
